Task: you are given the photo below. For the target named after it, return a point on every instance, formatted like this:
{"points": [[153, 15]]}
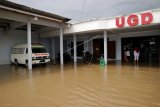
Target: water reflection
{"points": [[75, 68], [136, 67], [30, 78], [103, 70], [118, 63], [62, 71]]}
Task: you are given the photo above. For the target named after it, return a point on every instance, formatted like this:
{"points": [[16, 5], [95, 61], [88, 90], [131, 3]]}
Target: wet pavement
{"points": [[82, 85]]}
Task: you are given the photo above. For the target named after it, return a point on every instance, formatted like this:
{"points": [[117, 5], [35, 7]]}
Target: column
{"points": [[53, 50], [75, 47], [105, 46], [29, 45], [61, 46], [118, 48]]}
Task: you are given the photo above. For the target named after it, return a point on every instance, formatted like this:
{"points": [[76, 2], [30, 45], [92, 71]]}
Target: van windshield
{"points": [[39, 50]]}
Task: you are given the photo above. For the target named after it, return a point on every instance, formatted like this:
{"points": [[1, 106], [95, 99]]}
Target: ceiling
{"points": [[6, 24], [33, 27]]}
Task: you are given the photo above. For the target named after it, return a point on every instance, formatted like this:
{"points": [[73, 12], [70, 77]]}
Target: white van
{"points": [[19, 54]]}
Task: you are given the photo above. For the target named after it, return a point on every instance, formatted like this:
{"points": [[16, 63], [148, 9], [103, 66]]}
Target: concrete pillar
{"points": [[118, 49], [105, 46], [53, 49], [61, 46], [29, 45], [75, 47]]}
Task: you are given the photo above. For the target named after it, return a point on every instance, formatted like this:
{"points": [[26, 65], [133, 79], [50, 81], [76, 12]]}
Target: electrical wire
{"points": [[82, 10], [82, 43]]}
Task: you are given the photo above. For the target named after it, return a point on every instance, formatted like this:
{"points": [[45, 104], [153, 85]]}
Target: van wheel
{"points": [[16, 62], [26, 64]]}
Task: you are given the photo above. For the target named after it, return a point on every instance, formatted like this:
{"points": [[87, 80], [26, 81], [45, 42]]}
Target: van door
{"points": [[25, 55], [21, 55]]}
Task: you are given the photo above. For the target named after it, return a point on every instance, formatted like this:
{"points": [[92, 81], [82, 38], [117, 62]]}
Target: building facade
{"points": [[107, 37], [136, 30]]}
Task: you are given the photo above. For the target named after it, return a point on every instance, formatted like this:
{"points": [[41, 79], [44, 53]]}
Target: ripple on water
{"points": [[83, 86]]}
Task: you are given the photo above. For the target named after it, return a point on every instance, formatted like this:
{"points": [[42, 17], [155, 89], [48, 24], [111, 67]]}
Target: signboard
{"points": [[133, 20]]}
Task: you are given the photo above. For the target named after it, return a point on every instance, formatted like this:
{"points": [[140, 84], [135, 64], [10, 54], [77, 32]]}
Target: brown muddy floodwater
{"points": [[81, 86]]}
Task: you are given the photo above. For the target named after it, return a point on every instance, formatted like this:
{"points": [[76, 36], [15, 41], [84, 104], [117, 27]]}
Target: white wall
{"points": [[118, 49], [10, 38], [47, 42], [52, 46]]}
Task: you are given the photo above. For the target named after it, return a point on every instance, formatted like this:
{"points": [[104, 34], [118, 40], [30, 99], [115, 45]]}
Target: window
{"points": [[17, 50], [26, 50], [37, 50], [21, 50]]}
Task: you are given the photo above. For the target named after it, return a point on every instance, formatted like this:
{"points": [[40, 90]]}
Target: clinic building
{"points": [[104, 36]]}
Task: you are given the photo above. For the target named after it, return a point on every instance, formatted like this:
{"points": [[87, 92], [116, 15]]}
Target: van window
{"points": [[21, 50], [26, 50], [37, 50], [17, 50], [14, 51]]}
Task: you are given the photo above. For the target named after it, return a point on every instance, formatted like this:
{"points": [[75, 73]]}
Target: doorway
{"points": [[80, 48], [111, 49], [149, 48], [98, 48]]}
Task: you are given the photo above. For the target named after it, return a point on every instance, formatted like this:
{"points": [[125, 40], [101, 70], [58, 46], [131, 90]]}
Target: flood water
{"points": [[82, 85]]}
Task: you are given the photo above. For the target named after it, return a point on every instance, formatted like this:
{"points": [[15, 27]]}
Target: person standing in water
{"points": [[136, 55], [127, 55]]}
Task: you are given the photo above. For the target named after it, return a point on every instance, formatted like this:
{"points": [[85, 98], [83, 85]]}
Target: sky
{"points": [[77, 11]]}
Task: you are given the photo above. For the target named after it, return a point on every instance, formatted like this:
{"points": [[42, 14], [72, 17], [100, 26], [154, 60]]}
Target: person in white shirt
{"points": [[127, 55]]}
